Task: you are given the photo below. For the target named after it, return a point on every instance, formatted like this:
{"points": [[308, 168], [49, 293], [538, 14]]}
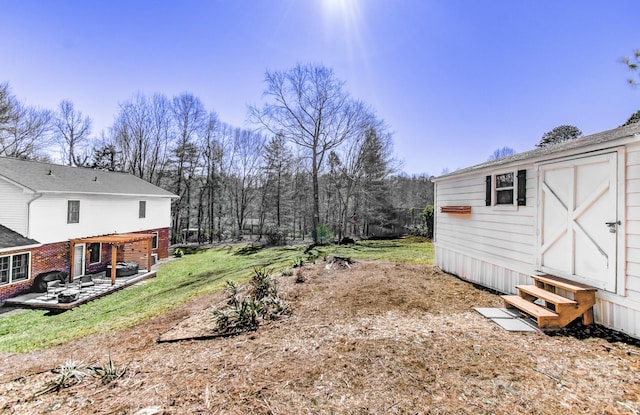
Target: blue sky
{"points": [[454, 79]]}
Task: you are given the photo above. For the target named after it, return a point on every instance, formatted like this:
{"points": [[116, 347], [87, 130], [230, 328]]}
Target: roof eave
{"points": [[518, 159], [20, 248]]}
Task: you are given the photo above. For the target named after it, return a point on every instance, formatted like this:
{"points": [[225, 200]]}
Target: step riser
{"points": [[561, 310]]}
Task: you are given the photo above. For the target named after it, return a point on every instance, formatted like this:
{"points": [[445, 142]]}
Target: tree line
{"points": [[317, 162]]}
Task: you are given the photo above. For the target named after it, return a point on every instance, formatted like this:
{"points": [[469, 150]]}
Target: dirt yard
{"points": [[377, 338]]}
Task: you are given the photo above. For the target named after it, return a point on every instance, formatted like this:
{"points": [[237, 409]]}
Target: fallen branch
{"points": [[207, 337]]}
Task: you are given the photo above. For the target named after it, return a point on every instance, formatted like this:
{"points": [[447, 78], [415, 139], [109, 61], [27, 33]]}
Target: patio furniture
{"points": [[124, 269], [86, 281], [54, 288], [40, 282], [68, 296]]}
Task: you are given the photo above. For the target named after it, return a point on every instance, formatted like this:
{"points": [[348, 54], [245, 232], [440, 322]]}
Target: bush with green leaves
{"points": [[108, 372], [244, 313], [276, 236], [427, 217], [324, 235]]}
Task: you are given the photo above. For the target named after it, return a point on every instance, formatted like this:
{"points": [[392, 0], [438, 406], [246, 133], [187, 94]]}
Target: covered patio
{"points": [[101, 286], [81, 288], [118, 240]]}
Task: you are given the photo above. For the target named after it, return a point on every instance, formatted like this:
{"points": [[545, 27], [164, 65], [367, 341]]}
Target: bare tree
{"points": [[24, 131], [190, 120], [502, 153], [310, 108], [632, 63], [72, 132], [142, 134], [7, 104], [245, 165], [211, 179]]}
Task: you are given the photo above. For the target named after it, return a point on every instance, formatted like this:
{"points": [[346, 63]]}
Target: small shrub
{"points": [[69, 374], [232, 293], [262, 284], [277, 308], [427, 217], [276, 236], [108, 372], [287, 273], [178, 253], [242, 314], [298, 262], [323, 234], [299, 277]]}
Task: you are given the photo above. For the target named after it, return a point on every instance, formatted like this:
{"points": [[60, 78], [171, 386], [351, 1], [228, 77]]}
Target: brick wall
{"points": [[163, 243], [56, 257], [48, 257], [8, 291]]}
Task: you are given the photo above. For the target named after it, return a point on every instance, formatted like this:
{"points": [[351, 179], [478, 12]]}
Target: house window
{"points": [[504, 189], [154, 241], [508, 188], [73, 211], [5, 269], [20, 267], [14, 268], [95, 252], [142, 209]]}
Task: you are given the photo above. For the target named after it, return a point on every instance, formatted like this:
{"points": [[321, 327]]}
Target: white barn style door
{"points": [[577, 220]]}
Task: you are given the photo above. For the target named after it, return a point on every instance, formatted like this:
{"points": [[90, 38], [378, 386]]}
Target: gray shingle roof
{"points": [[52, 178], [11, 239], [553, 150]]}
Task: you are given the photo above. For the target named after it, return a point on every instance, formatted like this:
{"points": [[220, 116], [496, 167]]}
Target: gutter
{"points": [[33, 199], [20, 248]]}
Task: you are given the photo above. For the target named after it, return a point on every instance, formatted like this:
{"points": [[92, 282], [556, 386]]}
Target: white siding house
{"points": [[44, 206], [571, 210]]}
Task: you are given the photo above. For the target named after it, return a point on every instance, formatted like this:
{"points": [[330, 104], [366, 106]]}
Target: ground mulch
{"points": [[374, 337]]}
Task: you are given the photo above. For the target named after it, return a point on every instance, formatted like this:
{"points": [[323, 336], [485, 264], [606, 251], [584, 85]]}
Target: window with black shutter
{"points": [[522, 187], [509, 188]]}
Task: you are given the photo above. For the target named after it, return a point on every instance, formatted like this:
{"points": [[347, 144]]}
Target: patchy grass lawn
{"points": [[379, 337], [177, 282]]}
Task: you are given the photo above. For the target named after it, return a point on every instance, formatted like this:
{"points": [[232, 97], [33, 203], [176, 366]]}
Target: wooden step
{"points": [[561, 283], [548, 296], [544, 316]]}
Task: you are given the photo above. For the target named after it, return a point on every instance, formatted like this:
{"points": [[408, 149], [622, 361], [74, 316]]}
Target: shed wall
{"points": [[498, 235], [632, 172], [497, 248]]}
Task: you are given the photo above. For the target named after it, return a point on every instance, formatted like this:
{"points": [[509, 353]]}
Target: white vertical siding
{"points": [[632, 225], [623, 316], [13, 207], [99, 215], [480, 271]]}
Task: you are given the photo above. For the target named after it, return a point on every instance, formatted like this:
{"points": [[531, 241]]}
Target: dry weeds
{"points": [[374, 338]]}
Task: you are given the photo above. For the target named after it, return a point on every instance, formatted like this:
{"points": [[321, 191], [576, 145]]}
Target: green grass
{"points": [[411, 249], [177, 282]]}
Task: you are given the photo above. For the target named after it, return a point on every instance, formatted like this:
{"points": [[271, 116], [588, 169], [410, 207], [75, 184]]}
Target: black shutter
{"points": [[487, 196], [522, 187]]}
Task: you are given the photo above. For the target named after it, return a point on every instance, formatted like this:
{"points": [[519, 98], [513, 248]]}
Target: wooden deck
{"points": [[102, 286]]}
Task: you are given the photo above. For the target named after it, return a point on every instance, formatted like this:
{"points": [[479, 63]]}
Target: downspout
{"points": [[33, 199]]}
